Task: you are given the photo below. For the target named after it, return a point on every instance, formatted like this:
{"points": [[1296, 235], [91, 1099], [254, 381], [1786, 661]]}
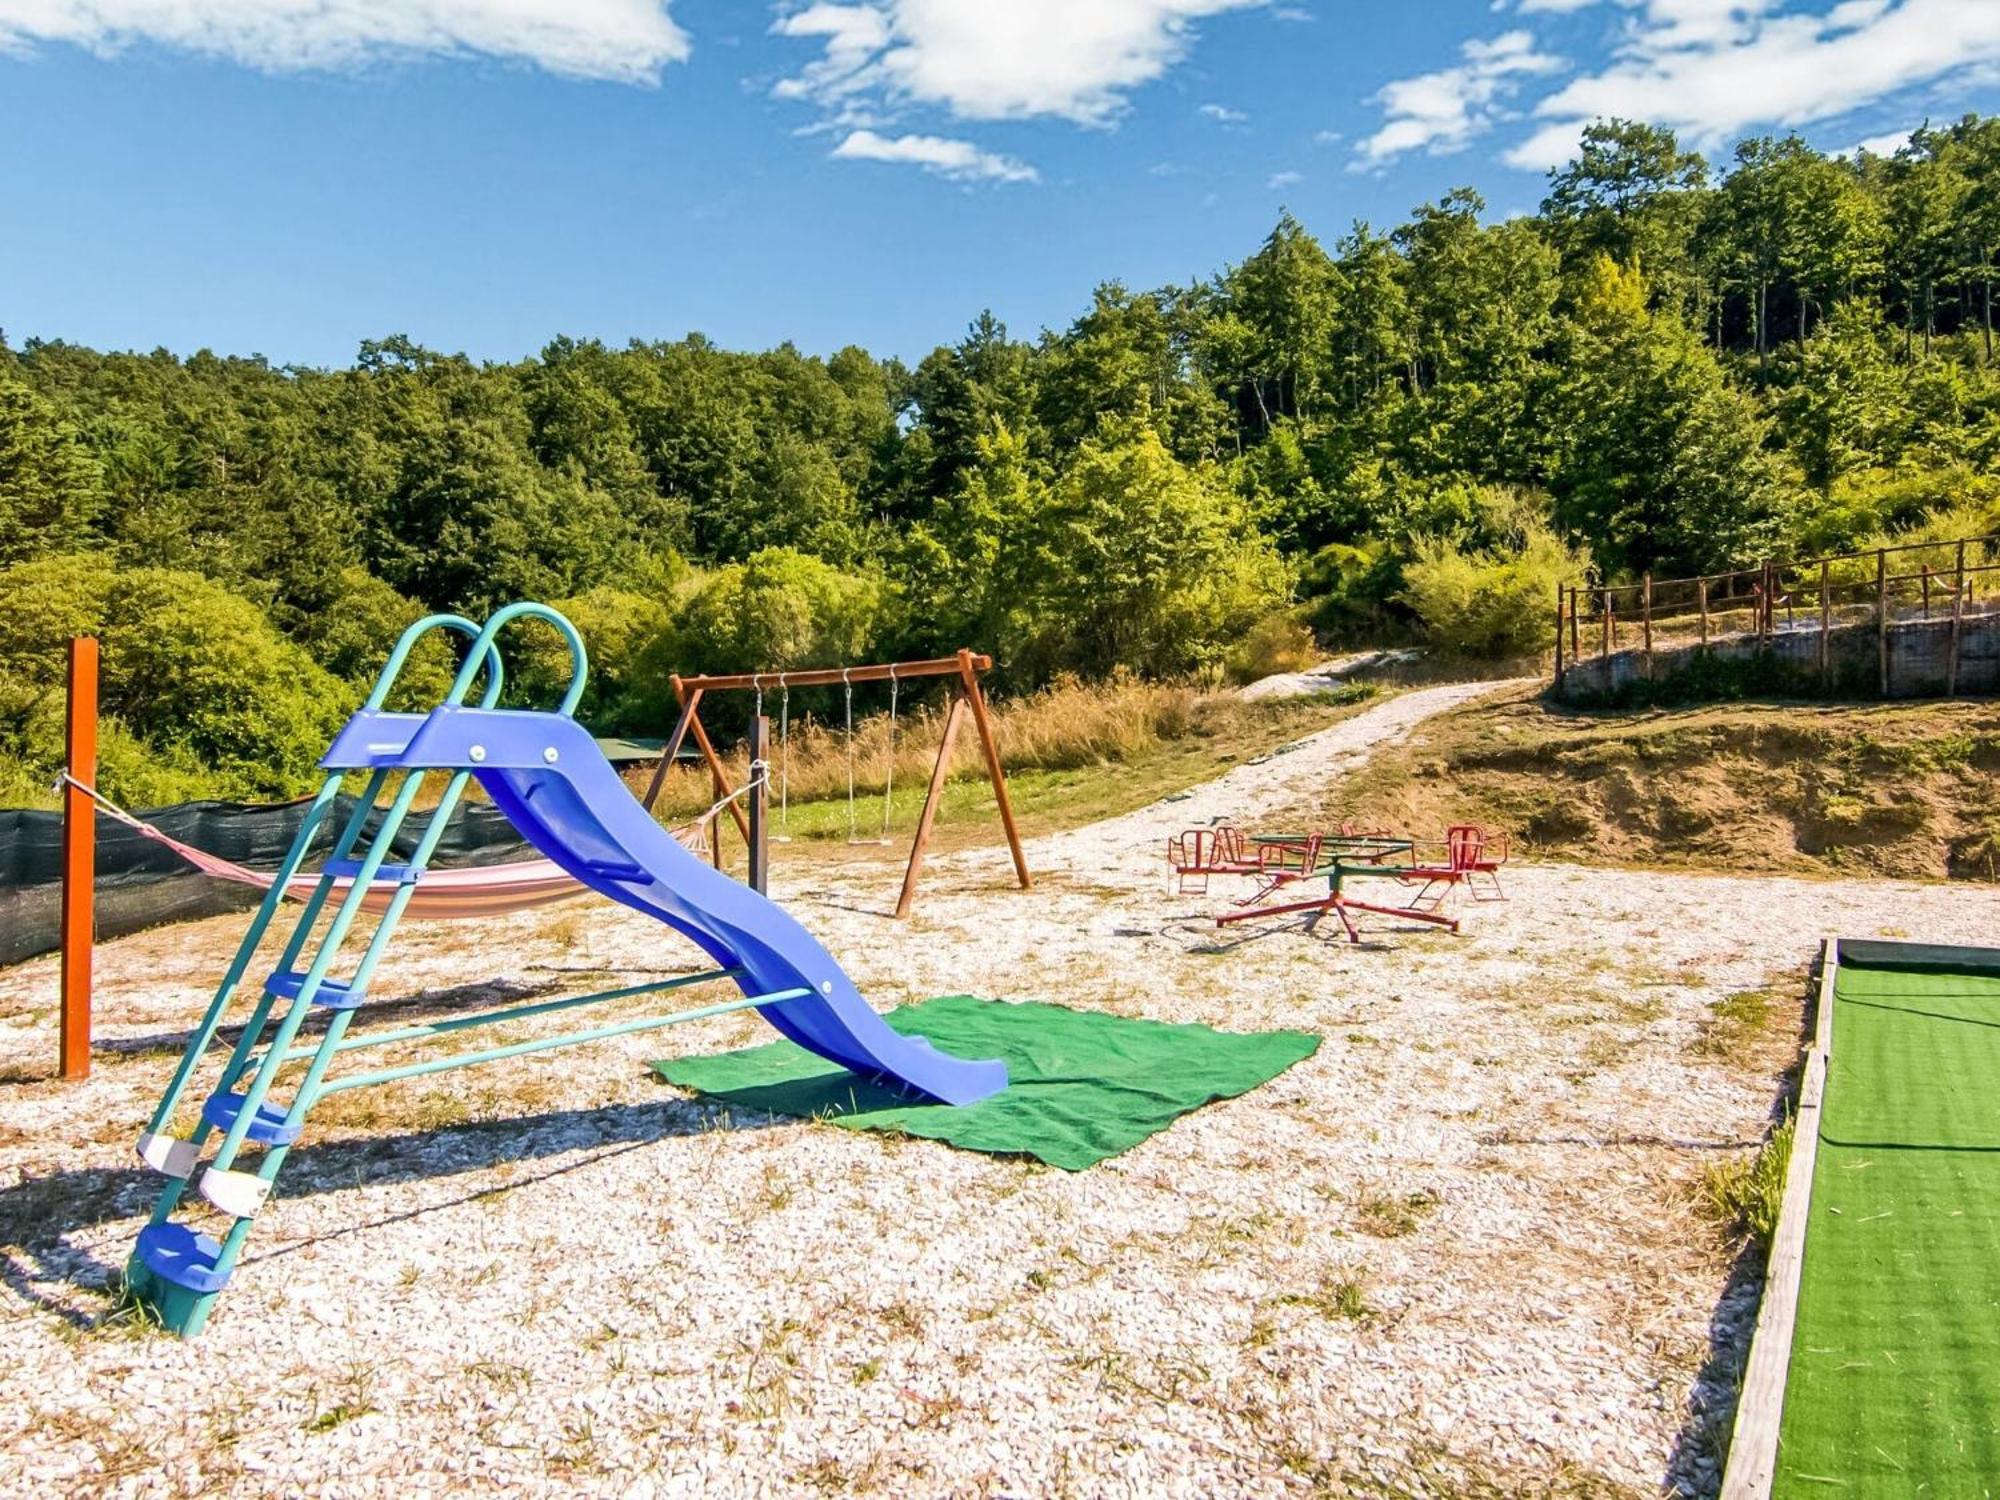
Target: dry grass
{"points": [[1906, 790], [1068, 725], [1072, 751]]}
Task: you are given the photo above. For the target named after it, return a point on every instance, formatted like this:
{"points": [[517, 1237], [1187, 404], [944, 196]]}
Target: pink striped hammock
{"points": [[441, 895]]}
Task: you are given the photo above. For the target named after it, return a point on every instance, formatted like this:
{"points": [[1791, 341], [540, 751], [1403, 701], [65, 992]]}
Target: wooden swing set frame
{"points": [[966, 698]]}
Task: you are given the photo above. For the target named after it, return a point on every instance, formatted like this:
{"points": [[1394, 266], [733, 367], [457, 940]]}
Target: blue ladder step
{"points": [[332, 993], [267, 1126], [350, 869], [175, 1253]]}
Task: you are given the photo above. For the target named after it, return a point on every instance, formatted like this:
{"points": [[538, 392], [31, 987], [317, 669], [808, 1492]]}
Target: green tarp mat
{"points": [[1894, 1384], [1082, 1085]]}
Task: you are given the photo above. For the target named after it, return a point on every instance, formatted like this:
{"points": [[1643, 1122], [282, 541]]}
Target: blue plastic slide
{"points": [[548, 776], [545, 772]]}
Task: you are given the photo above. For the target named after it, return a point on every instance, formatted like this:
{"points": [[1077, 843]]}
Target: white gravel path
{"points": [[600, 1287]]}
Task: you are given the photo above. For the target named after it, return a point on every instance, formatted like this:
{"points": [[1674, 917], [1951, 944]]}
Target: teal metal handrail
{"points": [[485, 645]]}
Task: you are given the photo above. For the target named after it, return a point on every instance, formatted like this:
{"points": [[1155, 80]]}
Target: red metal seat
{"points": [[1488, 865], [1198, 853], [1462, 856]]}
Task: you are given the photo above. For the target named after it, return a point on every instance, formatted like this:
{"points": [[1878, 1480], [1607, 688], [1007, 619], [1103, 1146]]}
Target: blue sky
{"points": [[288, 177]]}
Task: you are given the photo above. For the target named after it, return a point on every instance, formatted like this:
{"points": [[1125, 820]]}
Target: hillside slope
{"points": [[1893, 789]]}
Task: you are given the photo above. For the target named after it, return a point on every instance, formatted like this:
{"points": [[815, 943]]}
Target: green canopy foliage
{"points": [[1676, 365]]}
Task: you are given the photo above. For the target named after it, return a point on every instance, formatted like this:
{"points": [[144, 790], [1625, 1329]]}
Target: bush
{"points": [[1864, 508], [1489, 604], [1135, 560], [198, 687], [626, 691], [353, 628], [1349, 589], [780, 609], [1279, 642], [195, 669]]}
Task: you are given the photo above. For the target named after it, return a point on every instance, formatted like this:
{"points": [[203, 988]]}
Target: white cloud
{"points": [[1442, 111], [627, 41], [1713, 69], [1279, 181], [1222, 114], [1879, 145], [987, 60], [959, 160]]}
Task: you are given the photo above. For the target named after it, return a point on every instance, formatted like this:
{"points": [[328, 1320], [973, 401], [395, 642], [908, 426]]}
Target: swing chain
{"points": [[889, 780], [848, 687], [784, 757]]}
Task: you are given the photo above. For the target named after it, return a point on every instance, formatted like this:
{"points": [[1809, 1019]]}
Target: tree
{"points": [[50, 486], [1633, 195], [1664, 466], [1137, 562], [1280, 305]]}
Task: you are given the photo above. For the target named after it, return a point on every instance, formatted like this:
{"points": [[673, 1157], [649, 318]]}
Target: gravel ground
{"points": [[1453, 1253]]}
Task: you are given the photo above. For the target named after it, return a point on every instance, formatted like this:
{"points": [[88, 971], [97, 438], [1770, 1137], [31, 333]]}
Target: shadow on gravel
{"points": [[40, 1214]]}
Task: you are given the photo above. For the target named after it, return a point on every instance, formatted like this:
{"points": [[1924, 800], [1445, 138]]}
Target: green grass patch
{"points": [[1742, 1196]]}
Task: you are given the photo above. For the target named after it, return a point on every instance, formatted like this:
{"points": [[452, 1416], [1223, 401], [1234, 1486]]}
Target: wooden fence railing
{"points": [[1948, 581]]}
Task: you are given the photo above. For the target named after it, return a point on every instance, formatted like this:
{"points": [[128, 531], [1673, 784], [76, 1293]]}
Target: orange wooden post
{"points": [[79, 925]]}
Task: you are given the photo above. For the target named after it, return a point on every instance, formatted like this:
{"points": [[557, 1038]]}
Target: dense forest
{"points": [[1410, 434]]}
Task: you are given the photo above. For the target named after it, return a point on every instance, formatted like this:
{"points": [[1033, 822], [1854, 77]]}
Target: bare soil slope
{"points": [[1904, 790]]}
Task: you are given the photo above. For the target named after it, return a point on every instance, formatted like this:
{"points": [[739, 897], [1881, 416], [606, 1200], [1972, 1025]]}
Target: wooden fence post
{"points": [[1561, 594], [1825, 627], [1646, 622], [1604, 655], [79, 888], [1924, 571], [1701, 598], [1957, 622], [1575, 649], [1882, 614]]}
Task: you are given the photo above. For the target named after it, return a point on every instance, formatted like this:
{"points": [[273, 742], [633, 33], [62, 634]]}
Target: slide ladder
{"points": [[544, 771]]}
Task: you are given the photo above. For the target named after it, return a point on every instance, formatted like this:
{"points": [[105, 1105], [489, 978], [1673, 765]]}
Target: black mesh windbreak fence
{"points": [[141, 883]]}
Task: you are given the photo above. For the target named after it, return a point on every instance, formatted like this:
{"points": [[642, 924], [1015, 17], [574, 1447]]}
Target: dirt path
{"points": [[1455, 1248], [1286, 778]]}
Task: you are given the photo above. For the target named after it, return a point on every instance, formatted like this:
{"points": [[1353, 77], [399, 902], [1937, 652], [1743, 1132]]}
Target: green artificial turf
{"points": [[1894, 1386], [1081, 1085]]}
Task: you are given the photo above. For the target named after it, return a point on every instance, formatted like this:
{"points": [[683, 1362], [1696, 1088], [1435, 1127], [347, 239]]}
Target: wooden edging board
{"points": [[1760, 1407]]}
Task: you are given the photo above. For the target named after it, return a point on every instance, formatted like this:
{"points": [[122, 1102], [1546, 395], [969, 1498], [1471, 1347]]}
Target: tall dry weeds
{"points": [[1061, 727]]}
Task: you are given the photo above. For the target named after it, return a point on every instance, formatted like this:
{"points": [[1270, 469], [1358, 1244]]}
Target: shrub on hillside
{"points": [[1489, 604], [778, 609], [197, 676], [352, 629], [1279, 642], [625, 634]]}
